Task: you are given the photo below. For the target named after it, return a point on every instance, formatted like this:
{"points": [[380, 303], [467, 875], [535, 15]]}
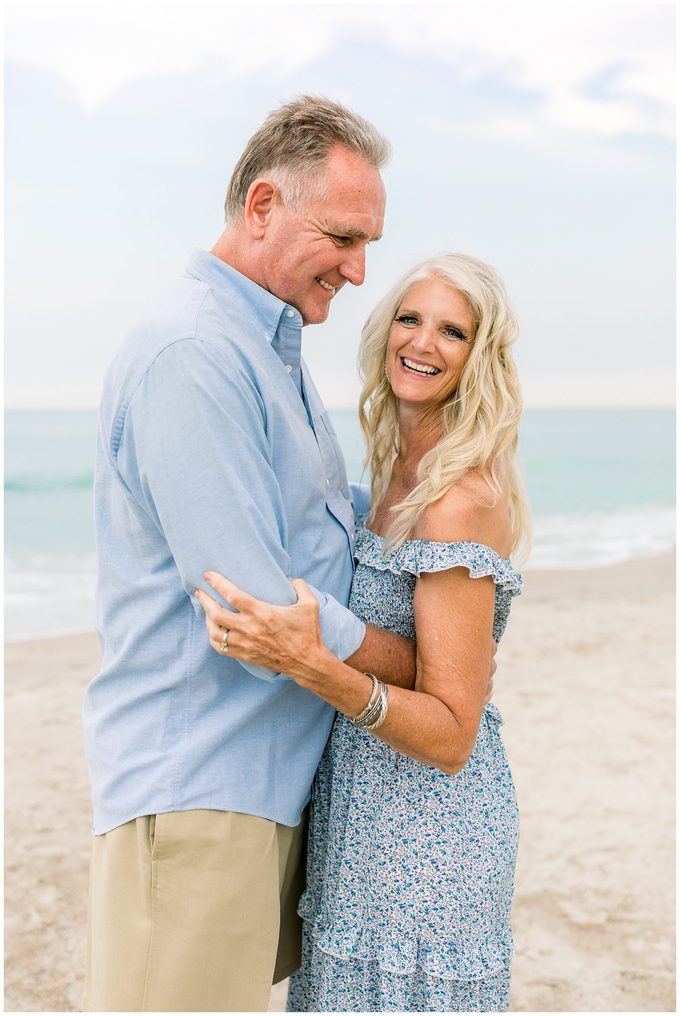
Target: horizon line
{"points": [[90, 408]]}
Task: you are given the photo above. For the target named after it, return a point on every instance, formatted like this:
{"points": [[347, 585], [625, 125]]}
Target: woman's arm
{"points": [[436, 723], [387, 655]]}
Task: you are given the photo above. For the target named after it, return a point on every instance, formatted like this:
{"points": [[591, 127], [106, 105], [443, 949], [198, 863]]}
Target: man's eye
{"points": [[341, 241], [407, 319]]}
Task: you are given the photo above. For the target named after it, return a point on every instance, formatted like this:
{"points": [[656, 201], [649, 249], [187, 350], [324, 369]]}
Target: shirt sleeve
{"points": [[194, 453]]}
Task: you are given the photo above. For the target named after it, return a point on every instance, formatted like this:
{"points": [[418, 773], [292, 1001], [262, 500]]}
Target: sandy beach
{"points": [[586, 685]]}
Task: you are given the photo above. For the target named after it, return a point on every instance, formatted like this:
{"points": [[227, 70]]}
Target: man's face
{"points": [[309, 255]]}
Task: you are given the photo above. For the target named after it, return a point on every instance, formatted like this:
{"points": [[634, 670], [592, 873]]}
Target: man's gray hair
{"points": [[291, 148]]}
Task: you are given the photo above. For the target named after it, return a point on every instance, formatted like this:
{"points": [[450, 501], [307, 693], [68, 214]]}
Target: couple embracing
{"points": [[270, 633]]}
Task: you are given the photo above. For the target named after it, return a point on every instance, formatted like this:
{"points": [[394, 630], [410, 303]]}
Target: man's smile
{"points": [[325, 285]]}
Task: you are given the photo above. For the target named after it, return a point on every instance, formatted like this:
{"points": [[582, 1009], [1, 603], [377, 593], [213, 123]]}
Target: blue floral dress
{"points": [[410, 871]]}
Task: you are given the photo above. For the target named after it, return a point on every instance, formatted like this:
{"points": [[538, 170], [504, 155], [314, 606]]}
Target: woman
{"points": [[413, 828]]}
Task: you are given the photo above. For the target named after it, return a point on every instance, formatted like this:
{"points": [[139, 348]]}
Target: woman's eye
{"points": [[407, 319], [454, 333]]}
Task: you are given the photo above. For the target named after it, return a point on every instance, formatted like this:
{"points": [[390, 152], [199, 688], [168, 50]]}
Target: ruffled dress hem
{"points": [[457, 962]]}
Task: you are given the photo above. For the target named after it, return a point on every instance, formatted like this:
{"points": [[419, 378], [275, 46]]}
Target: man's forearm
{"points": [[390, 657]]}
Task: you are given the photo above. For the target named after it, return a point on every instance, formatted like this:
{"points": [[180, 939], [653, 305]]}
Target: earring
{"points": [[386, 374]]}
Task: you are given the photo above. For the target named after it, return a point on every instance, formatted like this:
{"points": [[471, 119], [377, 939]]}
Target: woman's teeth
{"points": [[419, 368], [325, 285]]}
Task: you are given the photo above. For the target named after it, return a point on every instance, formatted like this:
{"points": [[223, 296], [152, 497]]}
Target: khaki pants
{"points": [[193, 911]]}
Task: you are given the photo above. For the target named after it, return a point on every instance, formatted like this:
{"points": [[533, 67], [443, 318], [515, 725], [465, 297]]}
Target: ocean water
{"points": [[601, 485]]}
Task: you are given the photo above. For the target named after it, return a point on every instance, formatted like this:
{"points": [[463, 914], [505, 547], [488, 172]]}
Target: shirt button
{"points": [[289, 368], [290, 313], [328, 483]]}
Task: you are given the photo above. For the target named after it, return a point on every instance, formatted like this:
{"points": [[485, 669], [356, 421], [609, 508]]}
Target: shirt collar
{"points": [[226, 283]]}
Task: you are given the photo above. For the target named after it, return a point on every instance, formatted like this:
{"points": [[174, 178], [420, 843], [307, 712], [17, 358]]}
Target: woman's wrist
{"points": [[346, 689], [318, 668]]}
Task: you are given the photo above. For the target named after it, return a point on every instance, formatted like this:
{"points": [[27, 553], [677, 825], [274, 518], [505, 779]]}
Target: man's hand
{"points": [[492, 671]]}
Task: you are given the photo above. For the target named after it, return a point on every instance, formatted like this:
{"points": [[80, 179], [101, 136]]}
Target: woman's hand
{"points": [[284, 639]]}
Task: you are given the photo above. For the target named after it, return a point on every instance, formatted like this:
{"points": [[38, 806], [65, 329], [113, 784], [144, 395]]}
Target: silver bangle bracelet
{"points": [[361, 717], [375, 713], [384, 706]]}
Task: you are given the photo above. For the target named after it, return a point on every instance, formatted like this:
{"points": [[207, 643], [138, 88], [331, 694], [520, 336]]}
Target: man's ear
{"points": [[261, 198]]}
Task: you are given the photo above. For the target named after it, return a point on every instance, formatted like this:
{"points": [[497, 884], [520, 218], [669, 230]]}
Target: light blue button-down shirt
{"points": [[214, 452]]}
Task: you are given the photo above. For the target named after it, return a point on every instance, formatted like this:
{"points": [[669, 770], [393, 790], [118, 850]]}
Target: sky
{"points": [[539, 138]]}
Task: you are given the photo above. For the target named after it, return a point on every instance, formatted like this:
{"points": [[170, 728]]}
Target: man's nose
{"points": [[353, 267]]}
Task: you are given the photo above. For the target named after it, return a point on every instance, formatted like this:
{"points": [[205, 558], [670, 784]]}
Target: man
{"points": [[215, 453]]}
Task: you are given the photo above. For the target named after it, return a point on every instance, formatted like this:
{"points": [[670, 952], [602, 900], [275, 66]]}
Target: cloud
{"points": [[556, 52], [100, 47]]}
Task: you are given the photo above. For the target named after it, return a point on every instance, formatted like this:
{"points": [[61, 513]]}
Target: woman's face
{"points": [[429, 342]]}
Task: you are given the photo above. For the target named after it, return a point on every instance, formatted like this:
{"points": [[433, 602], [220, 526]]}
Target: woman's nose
{"points": [[422, 339]]}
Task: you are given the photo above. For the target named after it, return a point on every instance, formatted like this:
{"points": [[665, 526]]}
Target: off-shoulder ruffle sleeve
{"points": [[418, 556]]}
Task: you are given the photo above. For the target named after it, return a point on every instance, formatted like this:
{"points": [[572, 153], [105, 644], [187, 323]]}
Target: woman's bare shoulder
{"points": [[469, 511]]}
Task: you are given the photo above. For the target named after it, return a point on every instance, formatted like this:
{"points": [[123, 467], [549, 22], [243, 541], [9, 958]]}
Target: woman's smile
{"points": [[418, 367]]}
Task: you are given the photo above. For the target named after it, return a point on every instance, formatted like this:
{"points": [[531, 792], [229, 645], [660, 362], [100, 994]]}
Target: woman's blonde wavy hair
{"points": [[480, 419]]}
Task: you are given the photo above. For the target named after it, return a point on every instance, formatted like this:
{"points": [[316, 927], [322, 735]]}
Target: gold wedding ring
{"points": [[224, 648]]}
